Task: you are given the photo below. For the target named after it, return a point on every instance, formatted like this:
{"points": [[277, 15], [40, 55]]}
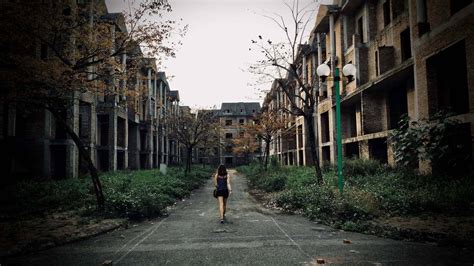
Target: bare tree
{"points": [[192, 130], [282, 63], [55, 51], [269, 123], [210, 146]]}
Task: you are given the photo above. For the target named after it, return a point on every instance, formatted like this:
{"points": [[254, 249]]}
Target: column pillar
{"points": [[46, 169], [112, 139], [125, 152], [72, 153]]}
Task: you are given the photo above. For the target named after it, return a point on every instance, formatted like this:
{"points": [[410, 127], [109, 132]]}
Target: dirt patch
{"points": [[34, 233], [440, 228]]}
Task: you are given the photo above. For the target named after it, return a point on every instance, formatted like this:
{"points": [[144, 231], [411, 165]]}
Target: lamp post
{"points": [[323, 72]]}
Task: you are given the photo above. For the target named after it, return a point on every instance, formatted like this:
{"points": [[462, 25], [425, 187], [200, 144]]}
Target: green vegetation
{"points": [[131, 194], [147, 193], [441, 139], [371, 190]]}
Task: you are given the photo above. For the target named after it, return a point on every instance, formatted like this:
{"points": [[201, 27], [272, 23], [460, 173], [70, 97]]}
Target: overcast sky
{"points": [[211, 65]]}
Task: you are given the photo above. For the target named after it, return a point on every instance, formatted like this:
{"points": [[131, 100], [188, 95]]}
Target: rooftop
{"points": [[174, 95], [240, 109]]}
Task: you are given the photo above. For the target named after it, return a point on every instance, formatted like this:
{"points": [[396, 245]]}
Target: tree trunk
{"points": [[312, 143], [86, 157], [267, 154], [188, 159]]}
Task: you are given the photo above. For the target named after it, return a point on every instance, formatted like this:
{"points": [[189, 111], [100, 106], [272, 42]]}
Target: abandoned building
{"points": [[232, 118], [124, 129], [412, 57]]}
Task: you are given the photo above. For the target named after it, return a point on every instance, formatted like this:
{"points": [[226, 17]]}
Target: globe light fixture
{"points": [[349, 71], [323, 71]]}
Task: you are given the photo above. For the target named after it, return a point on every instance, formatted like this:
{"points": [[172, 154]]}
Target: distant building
{"points": [[232, 117]]}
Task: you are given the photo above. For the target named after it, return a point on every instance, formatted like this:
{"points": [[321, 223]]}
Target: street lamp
{"points": [[323, 72]]}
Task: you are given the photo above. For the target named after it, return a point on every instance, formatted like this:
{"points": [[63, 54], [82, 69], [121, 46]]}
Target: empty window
{"points": [[228, 122], [386, 13], [360, 29], [325, 127], [228, 135], [405, 44], [448, 81], [376, 63], [241, 121], [457, 5], [378, 149], [398, 7]]}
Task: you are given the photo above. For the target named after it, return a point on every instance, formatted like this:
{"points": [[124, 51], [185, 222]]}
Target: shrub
{"points": [[274, 163], [38, 196], [147, 193], [132, 194], [273, 182], [370, 190], [360, 167], [438, 139]]}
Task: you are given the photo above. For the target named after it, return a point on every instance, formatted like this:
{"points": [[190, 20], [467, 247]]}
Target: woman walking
{"points": [[223, 189]]}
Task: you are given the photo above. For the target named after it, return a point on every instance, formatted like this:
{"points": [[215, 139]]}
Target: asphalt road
{"points": [[253, 235]]}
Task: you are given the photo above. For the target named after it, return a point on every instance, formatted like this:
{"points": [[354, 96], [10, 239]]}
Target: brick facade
{"points": [[410, 60]]}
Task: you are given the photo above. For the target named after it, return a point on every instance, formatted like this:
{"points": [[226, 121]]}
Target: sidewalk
{"points": [[30, 234]]}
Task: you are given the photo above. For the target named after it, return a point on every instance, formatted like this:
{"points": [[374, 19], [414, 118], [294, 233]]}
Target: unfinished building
{"points": [[398, 49], [121, 127], [232, 118], [412, 57]]}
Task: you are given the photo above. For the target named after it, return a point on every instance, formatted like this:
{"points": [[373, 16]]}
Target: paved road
{"points": [[192, 235]]}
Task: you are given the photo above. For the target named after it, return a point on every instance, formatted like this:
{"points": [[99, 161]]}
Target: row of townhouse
{"points": [[412, 57], [125, 129]]}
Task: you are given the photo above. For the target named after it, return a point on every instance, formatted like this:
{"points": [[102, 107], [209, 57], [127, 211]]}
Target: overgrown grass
{"points": [[131, 194], [147, 193], [371, 190], [38, 196]]}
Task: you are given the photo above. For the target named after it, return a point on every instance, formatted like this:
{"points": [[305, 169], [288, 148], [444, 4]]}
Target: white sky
{"points": [[211, 65]]}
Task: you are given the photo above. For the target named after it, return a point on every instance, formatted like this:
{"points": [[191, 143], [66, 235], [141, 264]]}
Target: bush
{"points": [[371, 190], [131, 194], [438, 139], [274, 182], [361, 167], [36, 197], [147, 193]]}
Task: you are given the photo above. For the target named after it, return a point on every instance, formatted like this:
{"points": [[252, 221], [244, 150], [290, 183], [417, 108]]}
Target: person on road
{"points": [[223, 189]]}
